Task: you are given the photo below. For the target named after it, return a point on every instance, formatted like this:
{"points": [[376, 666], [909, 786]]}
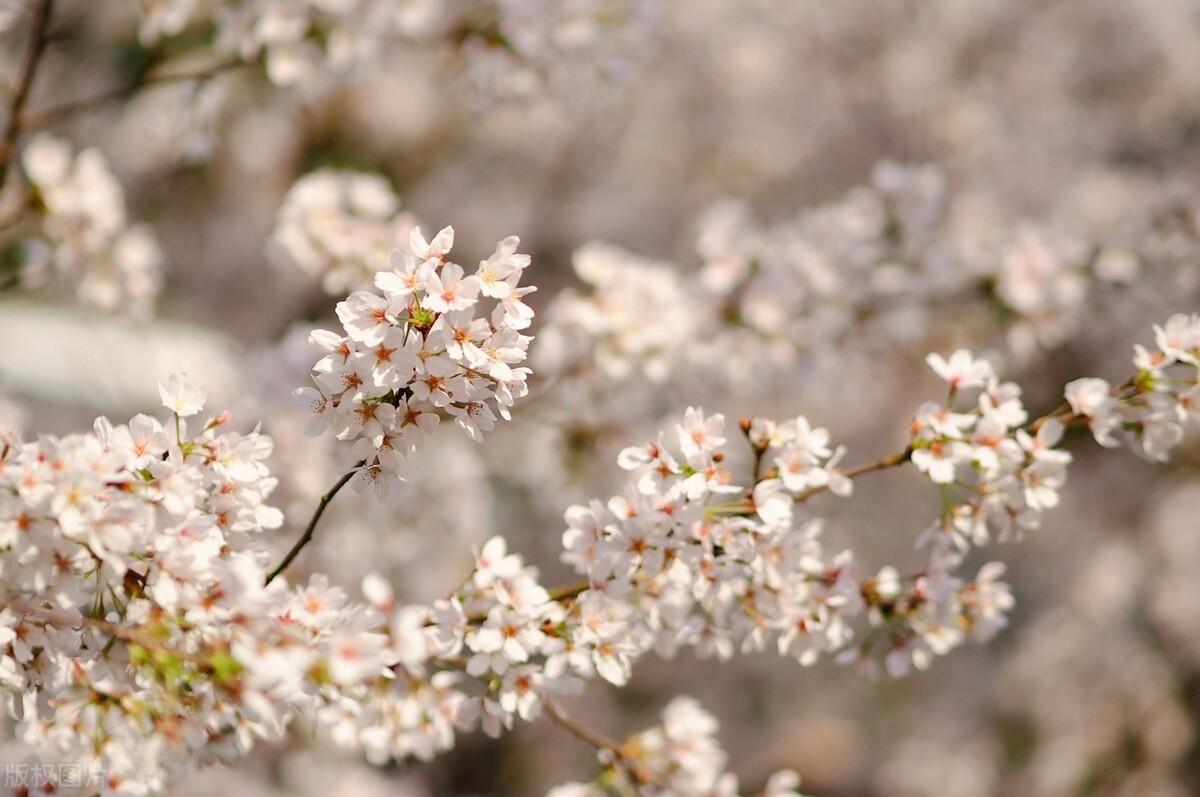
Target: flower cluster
{"points": [[560, 46], [512, 47], [450, 491], [886, 265], [130, 595], [499, 649], [680, 757], [138, 607], [137, 604], [414, 350], [632, 322], [1041, 275], [678, 563], [1151, 410], [500, 619], [339, 226], [996, 476], [85, 235], [688, 559]]}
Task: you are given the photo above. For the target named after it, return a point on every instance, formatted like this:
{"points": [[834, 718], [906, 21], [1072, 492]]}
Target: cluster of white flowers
{"points": [[140, 635], [85, 235], [762, 293], [632, 322], [129, 590], [450, 491], [685, 559], [136, 605], [1040, 276], [1151, 410], [414, 350], [340, 225], [530, 45], [886, 264], [298, 39], [417, 712], [496, 651], [996, 476], [512, 47], [679, 563], [680, 757]]}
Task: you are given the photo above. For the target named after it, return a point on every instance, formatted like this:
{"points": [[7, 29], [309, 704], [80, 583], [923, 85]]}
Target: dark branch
{"points": [[55, 113], [306, 538], [38, 39]]}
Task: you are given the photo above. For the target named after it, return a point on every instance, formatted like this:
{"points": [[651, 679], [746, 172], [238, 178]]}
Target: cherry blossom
{"points": [[85, 238], [140, 596], [413, 352]]}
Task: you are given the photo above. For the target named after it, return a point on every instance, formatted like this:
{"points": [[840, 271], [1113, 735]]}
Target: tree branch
{"points": [[54, 113], [130, 636], [586, 735], [1062, 413], [36, 48], [890, 461], [558, 594], [621, 758], [307, 536]]}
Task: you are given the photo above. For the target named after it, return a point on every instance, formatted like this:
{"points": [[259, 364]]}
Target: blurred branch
{"points": [[890, 461], [16, 214], [586, 735], [559, 594], [618, 752], [63, 619], [35, 49], [55, 113]]}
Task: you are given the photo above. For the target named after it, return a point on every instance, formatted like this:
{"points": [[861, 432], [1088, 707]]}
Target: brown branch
{"points": [[760, 451], [558, 594], [586, 735], [890, 461], [309, 530], [17, 214], [55, 113], [1062, 413], [621, 757], [130, 636], [38, 39], [568, 591]]}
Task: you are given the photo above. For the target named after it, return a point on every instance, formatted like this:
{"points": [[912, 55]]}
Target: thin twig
{"points": [[558, 594], [130, 636], [34, 51], [621, 757], [306, 538], [568, 591], [1062, 413], [54, 113], [759, 450], [586, 735], [890, 461]]}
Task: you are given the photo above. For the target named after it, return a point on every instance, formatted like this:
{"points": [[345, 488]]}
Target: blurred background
{"points": [[766, 207]]}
